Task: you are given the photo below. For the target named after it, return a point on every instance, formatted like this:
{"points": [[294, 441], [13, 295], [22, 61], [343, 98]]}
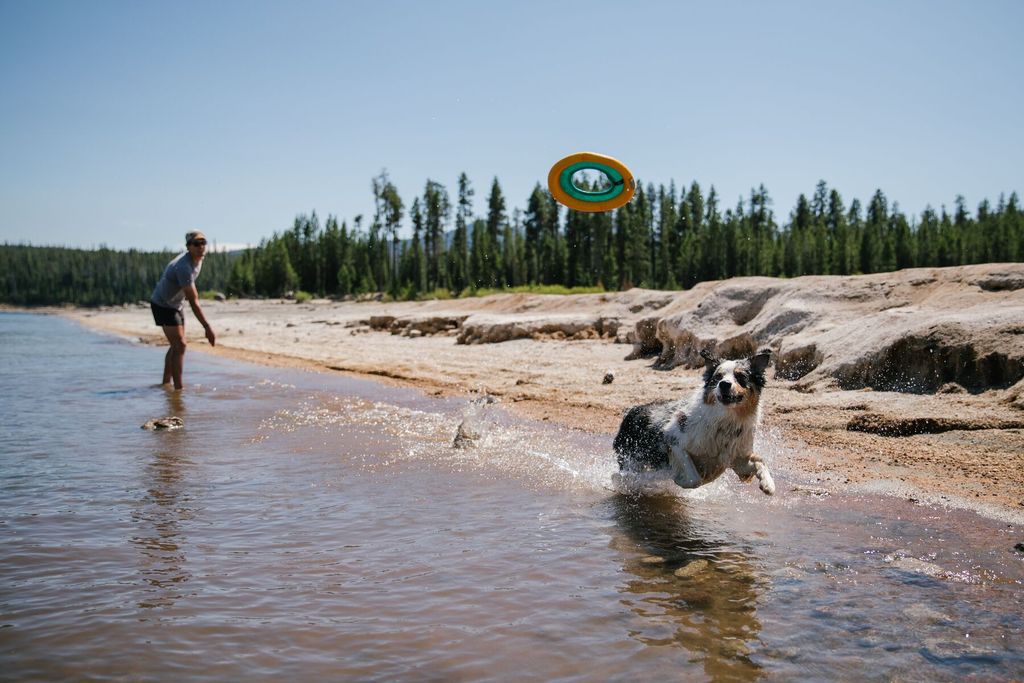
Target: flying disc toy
{"points": [[563, 189]]}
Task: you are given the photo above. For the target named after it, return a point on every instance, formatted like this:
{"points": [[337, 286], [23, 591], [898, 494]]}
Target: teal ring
{"points": [[570, 188]]}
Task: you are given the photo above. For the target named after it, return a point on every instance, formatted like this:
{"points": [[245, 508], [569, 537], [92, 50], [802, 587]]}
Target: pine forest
{"points": [[665, 238]]}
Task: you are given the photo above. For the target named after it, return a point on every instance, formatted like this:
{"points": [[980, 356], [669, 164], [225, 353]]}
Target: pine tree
{"points": [[873, 234], [795, 241], [479, 269], [667, 217], [496, 221], [458, 255], [536, 221], [437, 209], [840, 256]]}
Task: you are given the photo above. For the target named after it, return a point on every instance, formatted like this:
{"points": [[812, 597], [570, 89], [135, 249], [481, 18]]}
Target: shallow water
{"points": [[310, 526]]}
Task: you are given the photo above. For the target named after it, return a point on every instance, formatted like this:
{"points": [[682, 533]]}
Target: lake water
{"points": [[313, 527]]}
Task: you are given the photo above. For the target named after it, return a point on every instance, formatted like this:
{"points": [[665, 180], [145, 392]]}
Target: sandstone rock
{"points": [[426, 325], [884, 425], [380, 322], [911, 331], [487, 329]]}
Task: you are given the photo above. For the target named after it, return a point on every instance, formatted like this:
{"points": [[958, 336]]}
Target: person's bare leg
{"points": [[175, 358], [167, 366]]}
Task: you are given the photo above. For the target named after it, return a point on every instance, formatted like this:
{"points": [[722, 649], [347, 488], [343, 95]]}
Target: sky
{"points": [[125, 124]]}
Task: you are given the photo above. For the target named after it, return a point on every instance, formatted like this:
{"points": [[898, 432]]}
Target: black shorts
{"points": [[167, 316]]}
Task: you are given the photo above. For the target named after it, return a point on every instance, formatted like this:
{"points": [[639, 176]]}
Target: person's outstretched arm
{"points": [[192, 294]]}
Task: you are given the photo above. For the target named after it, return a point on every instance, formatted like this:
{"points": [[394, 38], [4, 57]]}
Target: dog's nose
{"points": [[724, 386]]}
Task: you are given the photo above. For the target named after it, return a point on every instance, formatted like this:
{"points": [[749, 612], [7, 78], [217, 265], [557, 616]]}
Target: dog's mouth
{"points": [[730, 399]]}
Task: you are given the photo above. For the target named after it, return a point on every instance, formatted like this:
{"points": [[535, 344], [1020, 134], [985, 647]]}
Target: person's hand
{"points": [[211, 337]]}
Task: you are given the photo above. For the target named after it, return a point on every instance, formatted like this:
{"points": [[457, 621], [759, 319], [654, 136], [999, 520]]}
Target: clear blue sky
{"points": [[127, 123]]}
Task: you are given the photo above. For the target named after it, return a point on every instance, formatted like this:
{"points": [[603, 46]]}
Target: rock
{"points": [[924, 614], [916, 566], [380, 322], [920, 330], [171, 422], [691, 569], [885, 425], [652, 560], [427, 325], [644, 338], [1019, 547], [219, 296], [609, 377], [465, 436], [487, 329]]}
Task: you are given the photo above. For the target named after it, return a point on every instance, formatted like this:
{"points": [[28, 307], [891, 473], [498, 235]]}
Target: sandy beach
{"points": [[581, 360]]}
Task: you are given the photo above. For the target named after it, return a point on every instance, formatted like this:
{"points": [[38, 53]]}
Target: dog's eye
{"points": [[742, 379]]}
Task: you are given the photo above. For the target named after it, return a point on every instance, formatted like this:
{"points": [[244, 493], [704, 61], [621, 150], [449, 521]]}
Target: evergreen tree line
{"points": [[665, 238], [39, 276]]}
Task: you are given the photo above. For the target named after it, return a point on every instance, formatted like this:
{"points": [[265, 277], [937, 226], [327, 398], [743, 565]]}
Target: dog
{"points": [[701, 437]]}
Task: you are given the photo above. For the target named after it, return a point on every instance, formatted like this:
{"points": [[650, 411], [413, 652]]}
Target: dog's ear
{"points": [[710, 359], [759, 361]]}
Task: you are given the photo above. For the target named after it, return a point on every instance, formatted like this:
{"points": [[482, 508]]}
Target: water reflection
{"points": [[692, 590], [160, 515]]}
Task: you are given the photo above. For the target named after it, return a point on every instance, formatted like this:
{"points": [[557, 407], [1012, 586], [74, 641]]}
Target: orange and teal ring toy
{"points": [[563, 189]]}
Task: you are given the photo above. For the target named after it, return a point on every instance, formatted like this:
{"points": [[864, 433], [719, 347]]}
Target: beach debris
{"points": [[609, 377], [1019, 547], [168, 423]]}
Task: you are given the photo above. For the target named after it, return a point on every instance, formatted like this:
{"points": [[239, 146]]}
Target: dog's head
{"points": [[735, 383]]}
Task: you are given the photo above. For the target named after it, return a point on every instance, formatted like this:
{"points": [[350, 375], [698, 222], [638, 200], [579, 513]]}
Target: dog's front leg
{"points": [[753, 466], [684, 472]]}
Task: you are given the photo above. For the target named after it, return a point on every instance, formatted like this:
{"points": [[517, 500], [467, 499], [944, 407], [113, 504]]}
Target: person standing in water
{"points": [[177, 284]]}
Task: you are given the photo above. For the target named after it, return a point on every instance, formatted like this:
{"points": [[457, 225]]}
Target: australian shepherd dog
{"points": [[699, 438]]}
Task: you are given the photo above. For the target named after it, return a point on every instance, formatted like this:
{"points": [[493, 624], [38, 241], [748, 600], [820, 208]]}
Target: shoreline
{"points": [[561, 381]]}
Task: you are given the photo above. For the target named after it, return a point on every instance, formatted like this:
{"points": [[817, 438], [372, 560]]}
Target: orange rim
{"points": [[562, 188]]}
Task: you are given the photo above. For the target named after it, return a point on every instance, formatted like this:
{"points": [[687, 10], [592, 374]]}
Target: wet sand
{"points": [[560, 380]]}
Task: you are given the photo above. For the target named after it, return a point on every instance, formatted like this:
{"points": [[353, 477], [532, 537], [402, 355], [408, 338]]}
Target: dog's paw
{"points": [[768, 486]]}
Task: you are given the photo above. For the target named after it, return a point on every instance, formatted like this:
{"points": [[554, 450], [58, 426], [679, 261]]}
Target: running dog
{"points": [[701, 437]]}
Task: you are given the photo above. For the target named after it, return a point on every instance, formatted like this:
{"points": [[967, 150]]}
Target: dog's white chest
{"points": [[711, 435]]}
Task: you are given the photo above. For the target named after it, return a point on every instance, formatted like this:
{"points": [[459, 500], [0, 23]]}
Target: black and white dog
{"points": [[701, 437]]}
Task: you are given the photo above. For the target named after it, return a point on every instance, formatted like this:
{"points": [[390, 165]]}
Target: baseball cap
{"points": [[193, 235]]}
